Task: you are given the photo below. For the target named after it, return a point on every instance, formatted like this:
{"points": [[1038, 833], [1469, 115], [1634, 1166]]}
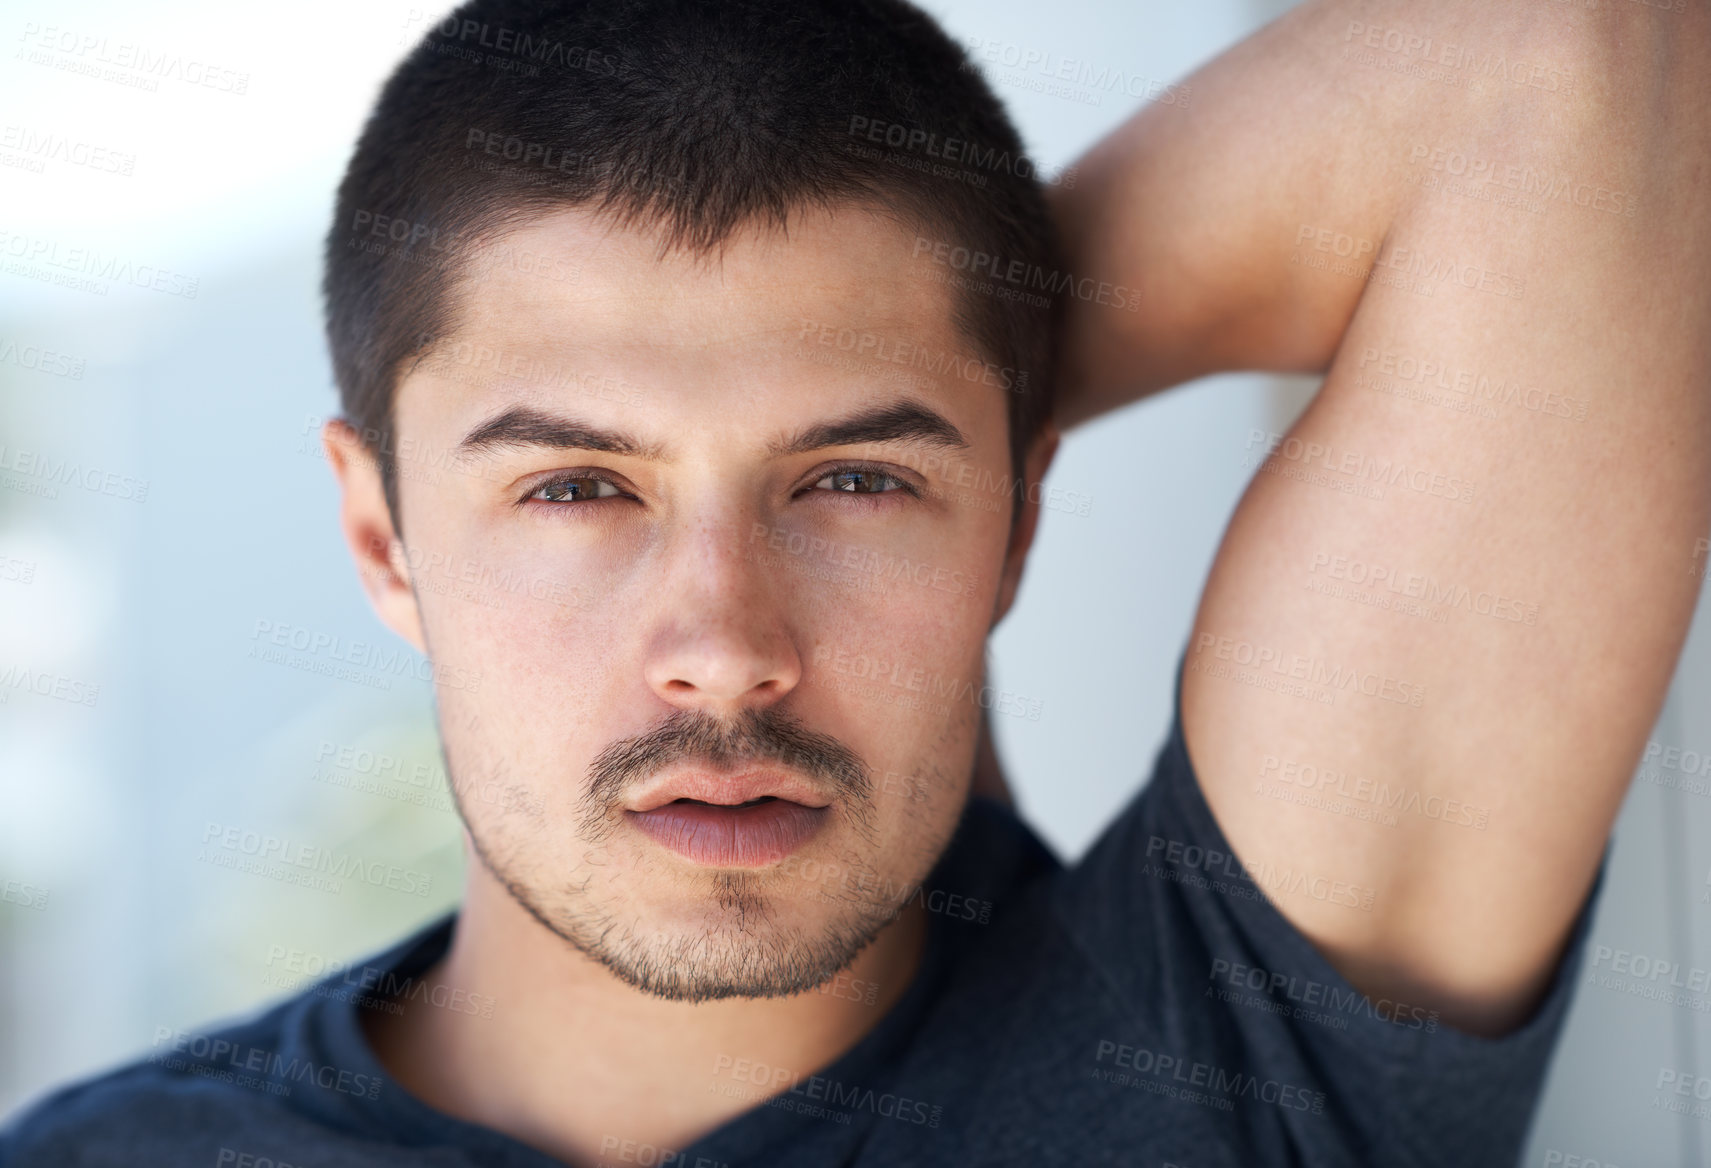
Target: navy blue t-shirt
{"points": [[1148, 1006]]}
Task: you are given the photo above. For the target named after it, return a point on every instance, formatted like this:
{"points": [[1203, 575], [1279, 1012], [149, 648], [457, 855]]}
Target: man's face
{"points": [[705, 552]]}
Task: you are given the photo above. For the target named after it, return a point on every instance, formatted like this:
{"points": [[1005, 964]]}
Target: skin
{"points": [[685, 608], [1595, 522]]}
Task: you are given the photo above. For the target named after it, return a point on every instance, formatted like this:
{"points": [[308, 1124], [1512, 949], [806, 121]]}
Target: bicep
{"points": [[1447, 609]]}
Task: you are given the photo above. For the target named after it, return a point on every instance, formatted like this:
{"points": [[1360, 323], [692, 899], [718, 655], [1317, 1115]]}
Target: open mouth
{"points": [[750, 834]]}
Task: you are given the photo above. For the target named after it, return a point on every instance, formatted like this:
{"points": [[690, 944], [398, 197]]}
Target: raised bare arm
{"points": [[1458, 593]]}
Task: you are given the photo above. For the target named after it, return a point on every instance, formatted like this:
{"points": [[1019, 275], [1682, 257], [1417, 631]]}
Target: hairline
{"points": [[450, 298]]}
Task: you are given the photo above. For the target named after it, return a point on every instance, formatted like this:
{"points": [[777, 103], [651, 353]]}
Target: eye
{"points": [[863, 480], [575, 488]]}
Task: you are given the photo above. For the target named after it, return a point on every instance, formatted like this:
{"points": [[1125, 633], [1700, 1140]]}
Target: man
{"points": [[732, 324]]}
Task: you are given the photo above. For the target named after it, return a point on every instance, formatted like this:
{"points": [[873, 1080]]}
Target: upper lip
{"points": [[726, 788]]}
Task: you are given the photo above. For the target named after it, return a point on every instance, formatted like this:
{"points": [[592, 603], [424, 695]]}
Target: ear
{"points": [[367, 524], [1034, 466]]}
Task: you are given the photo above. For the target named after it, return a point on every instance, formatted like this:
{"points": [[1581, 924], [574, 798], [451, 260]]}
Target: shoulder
{"points": [[190, 1096], [138, 1114], [993, 861]]}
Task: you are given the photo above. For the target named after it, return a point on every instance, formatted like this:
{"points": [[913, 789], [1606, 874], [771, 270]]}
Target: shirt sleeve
{"points": [[1192, 945]]}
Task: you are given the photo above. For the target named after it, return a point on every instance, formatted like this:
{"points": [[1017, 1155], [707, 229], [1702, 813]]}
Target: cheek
{"points": [[908, 616], [528, 607], [895, 672], [529, 650], [520, 671]]}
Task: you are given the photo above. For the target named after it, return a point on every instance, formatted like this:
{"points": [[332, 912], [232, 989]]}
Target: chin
{"points": [[740, 936], [725, 959]]}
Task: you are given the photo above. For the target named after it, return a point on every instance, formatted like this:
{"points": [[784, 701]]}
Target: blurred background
{"points": [[165, 512]]}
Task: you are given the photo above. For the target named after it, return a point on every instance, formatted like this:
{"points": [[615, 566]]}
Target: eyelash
{"points": [[869, 498], [904, 486], [574, 477]]}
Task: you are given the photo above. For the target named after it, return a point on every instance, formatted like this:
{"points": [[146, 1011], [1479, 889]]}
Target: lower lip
{"points": [[731, 837]]}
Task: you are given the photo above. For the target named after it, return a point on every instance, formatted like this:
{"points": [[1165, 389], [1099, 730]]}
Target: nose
{"points": [[721, 642]]}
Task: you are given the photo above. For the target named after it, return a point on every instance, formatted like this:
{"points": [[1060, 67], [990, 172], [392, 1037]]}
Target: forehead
{"points": [[574, 295], [848, 259]]}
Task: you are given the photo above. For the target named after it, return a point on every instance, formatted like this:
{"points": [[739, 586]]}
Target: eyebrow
{"points": [[904, 421], [523, 426]]}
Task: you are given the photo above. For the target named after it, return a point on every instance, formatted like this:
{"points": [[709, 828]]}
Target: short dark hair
{"points": [[701, 116]]}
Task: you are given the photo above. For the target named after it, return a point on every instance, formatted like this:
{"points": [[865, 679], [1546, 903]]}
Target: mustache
{"points": [[756, 735]]}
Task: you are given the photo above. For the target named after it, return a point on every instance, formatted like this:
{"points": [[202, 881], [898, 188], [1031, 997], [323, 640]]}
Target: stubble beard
{"points": [[743, 950]]}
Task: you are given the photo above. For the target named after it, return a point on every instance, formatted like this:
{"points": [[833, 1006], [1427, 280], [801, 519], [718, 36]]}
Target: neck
{"points": [[575, 1062]]}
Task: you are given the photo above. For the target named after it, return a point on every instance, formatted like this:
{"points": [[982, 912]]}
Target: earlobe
{"points": [[367, 526]]}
